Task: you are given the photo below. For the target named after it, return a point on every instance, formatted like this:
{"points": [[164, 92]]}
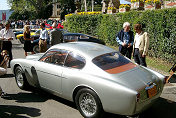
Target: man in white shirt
{"points": [[43, 38], [6, 36], [141, 45]]}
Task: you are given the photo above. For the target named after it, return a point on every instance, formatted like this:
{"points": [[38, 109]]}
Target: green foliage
{"points": [[83, 23], [31, 9], [160, 24]]}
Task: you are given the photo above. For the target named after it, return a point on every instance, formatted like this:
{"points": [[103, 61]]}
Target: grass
{"points": [[158, 64]]}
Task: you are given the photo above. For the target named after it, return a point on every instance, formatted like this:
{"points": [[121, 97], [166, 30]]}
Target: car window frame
{"points": [[56, 50], [78, 55]]}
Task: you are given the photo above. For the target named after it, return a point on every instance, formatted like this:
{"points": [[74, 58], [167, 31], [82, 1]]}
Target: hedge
{"points": [[160, 24]]}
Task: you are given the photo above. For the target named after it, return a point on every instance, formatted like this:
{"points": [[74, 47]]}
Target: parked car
{"points": [[34, 34], [72, 37], [97, 78]]}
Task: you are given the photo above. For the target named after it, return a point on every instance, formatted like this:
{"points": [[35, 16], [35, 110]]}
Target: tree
{"points": [[42, 8]]}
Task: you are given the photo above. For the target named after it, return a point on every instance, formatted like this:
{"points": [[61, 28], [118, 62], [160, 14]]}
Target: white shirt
{"points": [[44, 34], [6, 34], [137, 40]]}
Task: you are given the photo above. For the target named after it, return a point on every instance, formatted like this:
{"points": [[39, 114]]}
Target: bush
{"points": [[160, 24]]}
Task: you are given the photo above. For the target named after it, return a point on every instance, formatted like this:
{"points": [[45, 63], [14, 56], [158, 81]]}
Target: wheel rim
{"points": [[87, 104], [36, 49], [19, 78]]}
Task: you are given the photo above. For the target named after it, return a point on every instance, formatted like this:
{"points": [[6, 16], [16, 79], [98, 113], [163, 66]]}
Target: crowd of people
{"points": [[7, 35]]}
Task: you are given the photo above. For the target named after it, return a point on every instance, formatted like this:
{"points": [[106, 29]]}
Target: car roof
{"points": [[89, 49], [75, 34]]}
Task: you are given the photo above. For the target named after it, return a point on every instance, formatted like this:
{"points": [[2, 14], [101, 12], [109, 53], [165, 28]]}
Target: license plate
{"points": [[152, 92]]}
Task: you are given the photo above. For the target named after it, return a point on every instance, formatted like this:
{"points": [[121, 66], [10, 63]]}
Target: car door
{"points": [[49, 70], [72, 72]]}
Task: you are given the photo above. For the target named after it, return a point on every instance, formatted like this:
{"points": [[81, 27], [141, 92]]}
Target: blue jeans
{"points": [[138, 58]]}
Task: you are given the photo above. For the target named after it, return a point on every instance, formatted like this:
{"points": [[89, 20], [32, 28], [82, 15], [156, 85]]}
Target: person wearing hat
{"points": [[6, 36], [56, 35]]}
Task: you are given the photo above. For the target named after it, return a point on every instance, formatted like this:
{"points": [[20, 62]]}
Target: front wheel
{"points": [[21, 78], [89, 104]]}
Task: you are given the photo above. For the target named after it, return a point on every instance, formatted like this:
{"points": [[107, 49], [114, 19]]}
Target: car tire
{"points": [[36, 48], [22, 40], [21, 78], [89, 104]]}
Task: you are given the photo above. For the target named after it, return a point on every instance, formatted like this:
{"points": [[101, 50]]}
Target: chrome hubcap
{"points": [[19, 78], [87, 104]]}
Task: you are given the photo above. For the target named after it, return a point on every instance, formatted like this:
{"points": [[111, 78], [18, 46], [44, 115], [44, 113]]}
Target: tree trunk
{"points": [[92, 5], [85, 5]]}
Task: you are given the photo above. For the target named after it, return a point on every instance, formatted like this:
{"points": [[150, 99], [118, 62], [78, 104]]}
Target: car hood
{"points": [[35, 56], [135, 78]]}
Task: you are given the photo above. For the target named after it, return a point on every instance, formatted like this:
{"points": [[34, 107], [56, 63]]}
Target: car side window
{"points": [[55, 57], [59, 57], [70, 38], [83, 37], [75, 61], [48, 56]]}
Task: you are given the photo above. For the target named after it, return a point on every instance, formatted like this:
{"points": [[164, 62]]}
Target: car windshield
{"points": [[113, 63]]}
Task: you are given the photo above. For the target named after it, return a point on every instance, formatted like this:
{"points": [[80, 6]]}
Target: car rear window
{"points": [[113, 63]]}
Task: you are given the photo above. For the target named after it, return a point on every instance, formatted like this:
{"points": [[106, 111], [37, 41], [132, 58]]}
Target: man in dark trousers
{"points": [[56, 35], [7, 36], [125, 39]]}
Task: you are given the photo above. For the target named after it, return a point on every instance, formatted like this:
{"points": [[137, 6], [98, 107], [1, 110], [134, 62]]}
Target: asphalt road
{"points": [[39, 104]]}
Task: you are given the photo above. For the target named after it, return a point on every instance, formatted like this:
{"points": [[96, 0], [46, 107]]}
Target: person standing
{"points": [[27, 40], [7, 35], [43, 38], [141, 45], [1, 27], [125, 39], [56, 35]]}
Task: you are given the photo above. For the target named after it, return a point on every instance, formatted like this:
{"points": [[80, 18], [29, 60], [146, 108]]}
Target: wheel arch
{"points": [[82, 87], [15, 66]]}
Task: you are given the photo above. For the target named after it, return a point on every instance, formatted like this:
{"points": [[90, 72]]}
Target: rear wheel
{"points": [[88, 104], [22, 40], [36, 48], [21, 78]]}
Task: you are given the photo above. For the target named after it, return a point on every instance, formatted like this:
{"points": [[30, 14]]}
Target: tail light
{"points": [[137, 97]]}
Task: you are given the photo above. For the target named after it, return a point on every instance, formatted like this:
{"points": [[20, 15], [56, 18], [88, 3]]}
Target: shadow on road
{"points": [[161, 109], [26, 97], [36, 95], [10, 111], [7, 76]]}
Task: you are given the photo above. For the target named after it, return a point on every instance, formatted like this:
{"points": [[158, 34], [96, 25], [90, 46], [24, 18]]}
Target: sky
{"points": [[4, 5]]}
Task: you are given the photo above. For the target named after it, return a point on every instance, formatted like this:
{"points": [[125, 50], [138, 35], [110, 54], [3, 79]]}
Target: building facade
{"points": [[56, 10]]}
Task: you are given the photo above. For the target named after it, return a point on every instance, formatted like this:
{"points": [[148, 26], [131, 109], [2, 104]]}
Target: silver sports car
{"points": [[97, 78]]}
